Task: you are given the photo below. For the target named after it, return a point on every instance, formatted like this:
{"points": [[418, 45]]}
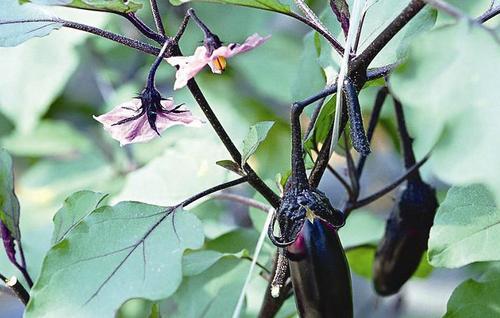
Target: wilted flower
{"points": [[142, 119], [212, 53]]}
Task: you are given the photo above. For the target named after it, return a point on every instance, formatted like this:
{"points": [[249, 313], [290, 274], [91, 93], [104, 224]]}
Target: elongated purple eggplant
{"points": [[320, 273], [405, 240], [407, 231]]}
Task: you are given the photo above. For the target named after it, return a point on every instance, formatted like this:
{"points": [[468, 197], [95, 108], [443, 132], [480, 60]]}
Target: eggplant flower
{"points": [[212, 53], [142, 119]]}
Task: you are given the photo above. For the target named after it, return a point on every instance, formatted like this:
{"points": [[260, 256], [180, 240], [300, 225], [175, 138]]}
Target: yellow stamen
{"points": [[310, 215], [220, 63]]}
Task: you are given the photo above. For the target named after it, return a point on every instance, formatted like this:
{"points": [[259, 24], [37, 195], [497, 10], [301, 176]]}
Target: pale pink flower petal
{"points": [[189, 66], [232, 49], [139, 130]]}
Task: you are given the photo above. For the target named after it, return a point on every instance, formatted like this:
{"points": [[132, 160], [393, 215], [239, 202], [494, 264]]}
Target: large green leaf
{"points": [[449, 86], [13, 31], [256, 135], [34, 74], [215, 291], [131, 250], [9, 205], [122, 6], [183, 170], [271, 5], [465, 228], [75, 208], [310, 78], [475, 299]]}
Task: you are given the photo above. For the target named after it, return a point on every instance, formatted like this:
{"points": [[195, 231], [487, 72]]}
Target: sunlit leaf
{"points": [[180, 172], [231, 166], [255, 136], [448, 85], [475, 299], [75, 208], [122, 6], [131, 250], [271, 5], [15, 25], [465, 228]]}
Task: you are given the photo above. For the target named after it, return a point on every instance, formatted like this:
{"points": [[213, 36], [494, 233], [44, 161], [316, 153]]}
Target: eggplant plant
{"points": [[136, 227]]}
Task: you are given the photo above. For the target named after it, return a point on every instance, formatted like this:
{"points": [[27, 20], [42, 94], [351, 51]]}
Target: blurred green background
{"points": [[51, 87]]}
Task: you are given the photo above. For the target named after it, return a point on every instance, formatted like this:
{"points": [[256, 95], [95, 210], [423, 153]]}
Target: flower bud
{"points": [[320, 273], [405, 240]]}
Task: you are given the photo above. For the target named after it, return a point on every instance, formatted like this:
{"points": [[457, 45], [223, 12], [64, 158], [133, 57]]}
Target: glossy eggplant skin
{"points": [[320, 273], [405, 240]]}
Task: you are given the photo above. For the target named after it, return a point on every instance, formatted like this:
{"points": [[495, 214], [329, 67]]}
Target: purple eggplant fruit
{"points": [[320, 272], [405, 241], [407, 230]]}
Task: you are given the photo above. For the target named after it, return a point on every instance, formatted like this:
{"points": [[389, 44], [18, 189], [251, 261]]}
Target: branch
{"points": [[253, 179], [321, 161], [377, 195], [270, 305], [213, 189], [17, 288], [342, 181], [157, 17], [143, 28], [492, 12], [448, 8], [367, 56], [315, 23], [243, 200]]}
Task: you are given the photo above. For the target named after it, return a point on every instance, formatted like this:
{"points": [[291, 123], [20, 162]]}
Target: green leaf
{"points": [[196, 262], [255, 136], [49, 138], [131, 250], [183, 170], [75, 208], [121, 6], [231, 166], [310, 78], [322, 124], [14, 31], [464, 229], [270, 5], [475, 299], [34, 74], [215, 291], [9, 212], [453, 66]]}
